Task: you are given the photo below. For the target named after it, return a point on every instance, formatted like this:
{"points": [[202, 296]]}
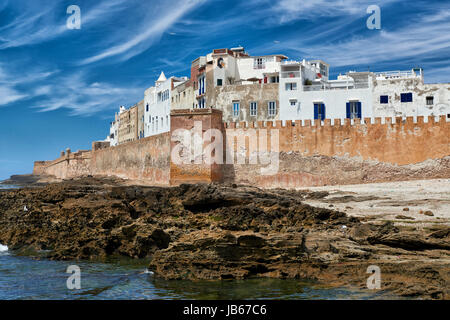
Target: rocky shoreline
{"points": [[223, 232]]}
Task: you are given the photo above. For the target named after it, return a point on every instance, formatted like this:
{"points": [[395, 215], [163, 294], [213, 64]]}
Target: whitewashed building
{"points": [[404, 93], [235, 66], [306, 93], [157, 104], [113, 137], [113, 133], [244, 87]]}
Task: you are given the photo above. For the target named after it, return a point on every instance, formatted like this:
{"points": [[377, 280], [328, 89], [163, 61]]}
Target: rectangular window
{"points": [[219, 82], [354, 110], [253, 108], [319, 111], [384, 99], [259, 63], [430, 101], [201, 85], [291, 86], [236, 109], [293, 103], [406, 97], [147, 107], [272, 108]]}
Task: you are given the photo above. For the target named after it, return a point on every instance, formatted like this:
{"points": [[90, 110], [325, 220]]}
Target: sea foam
{"points": [[3, 248]]}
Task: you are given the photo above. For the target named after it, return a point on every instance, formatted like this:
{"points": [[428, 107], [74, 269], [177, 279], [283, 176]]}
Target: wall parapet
{"points": [[390, 142], [278, 124]]}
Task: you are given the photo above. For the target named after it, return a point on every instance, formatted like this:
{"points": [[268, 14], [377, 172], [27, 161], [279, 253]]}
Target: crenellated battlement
{"points": [[347, 148], [279, 124]]}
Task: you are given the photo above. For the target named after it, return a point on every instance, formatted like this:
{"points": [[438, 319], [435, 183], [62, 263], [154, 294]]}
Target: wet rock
{"points": [[221, 232], [251, 241], [161, 238]]}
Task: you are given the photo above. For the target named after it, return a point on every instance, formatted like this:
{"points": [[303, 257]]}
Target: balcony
{"points": [[290, 74], [388, 75], [326, 86]]}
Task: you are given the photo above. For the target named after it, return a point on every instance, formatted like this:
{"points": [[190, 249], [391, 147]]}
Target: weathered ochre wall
{"points": [[69, 165], [312, 154], [144, 159], [309, 154], [39, 167], [397, 141], [190, 171]]}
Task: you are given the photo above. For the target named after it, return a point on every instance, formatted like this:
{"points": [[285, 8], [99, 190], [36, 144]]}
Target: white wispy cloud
{"points": [[416, 40], [148, 32], [285, 11], [9, 95], [423, 36], [37, 22], [9, 82], [82, 97]]}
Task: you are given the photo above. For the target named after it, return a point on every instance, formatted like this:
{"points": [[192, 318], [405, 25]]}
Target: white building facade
{"points": [[157, 104], [305, 93], [404, 93], [113, 134], [271, 87]]}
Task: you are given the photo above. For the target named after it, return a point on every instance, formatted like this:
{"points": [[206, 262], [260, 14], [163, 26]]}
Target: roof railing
{"points": [[398, 74]]}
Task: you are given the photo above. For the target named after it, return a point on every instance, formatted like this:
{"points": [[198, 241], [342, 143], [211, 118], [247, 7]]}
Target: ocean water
{"points": [[28, 278], [8, 186], [33, 278]]}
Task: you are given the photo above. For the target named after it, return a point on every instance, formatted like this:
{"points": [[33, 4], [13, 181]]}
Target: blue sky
{"points": [[60, 88]]}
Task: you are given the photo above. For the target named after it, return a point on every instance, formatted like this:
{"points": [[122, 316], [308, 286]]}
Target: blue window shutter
{"points": [[410, 97], [316, 111], [348, 110], [323, 112], [359, 110]]}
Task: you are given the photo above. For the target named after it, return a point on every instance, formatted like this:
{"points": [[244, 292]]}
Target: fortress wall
{"points": [[309, 153], [69, 165], [195, 170], [373, 150], [145, 159], [39, 167]]}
